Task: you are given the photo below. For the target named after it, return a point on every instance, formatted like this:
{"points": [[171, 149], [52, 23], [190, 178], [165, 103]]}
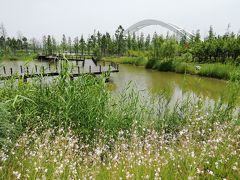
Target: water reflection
{"points": [[149, 82], [154, 82]]}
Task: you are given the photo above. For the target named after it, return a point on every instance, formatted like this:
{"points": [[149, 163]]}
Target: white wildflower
{"points": [[17, 174]]}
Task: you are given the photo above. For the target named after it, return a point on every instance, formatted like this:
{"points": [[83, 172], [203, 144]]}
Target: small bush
{"points": [[150, 63], [183, 67], [237, 61], [13, 58], [166, 65], [187, 57], [235, 76], [140, 61]]}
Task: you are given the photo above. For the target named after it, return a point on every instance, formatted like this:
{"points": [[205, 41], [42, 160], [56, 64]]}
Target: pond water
{"points": [[37, 67], [152, 82]]}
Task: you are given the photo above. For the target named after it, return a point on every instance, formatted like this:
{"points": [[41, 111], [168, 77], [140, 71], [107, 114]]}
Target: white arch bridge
{"points": [[180, 32]]}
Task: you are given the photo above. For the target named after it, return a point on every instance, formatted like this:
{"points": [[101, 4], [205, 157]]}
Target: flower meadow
{"points": [[76, 129]]}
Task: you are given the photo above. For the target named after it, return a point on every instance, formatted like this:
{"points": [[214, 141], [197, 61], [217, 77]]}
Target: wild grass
{"points": [[197, 151], [76, 129], [220, 71], [138, 61], [19, 56]]}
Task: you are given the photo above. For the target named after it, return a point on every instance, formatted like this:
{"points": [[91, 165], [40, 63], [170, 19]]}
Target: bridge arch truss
{"points": [[180, 32]]}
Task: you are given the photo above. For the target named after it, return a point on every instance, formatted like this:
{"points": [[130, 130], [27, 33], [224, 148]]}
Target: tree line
{"points": [[10, 45], [97, 44], [213, 48]]}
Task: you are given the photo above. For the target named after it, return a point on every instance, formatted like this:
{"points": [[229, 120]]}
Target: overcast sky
{"points": [[34, 18]]}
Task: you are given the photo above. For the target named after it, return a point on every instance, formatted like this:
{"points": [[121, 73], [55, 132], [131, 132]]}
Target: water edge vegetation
{"points": [[77, 129], [71, 129]]}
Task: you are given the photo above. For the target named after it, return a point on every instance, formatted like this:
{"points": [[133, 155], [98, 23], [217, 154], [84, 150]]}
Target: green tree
{"points": [[120, 41], [93, 41], [134, 42], [69, 44], [129, 42], [89, 45], [64, 43], [211, 33], [82, 45], [13, 45], [19, 44], [197, 37], [2, 44], [157, 42], [25, 44], [103, 45], [141, 42], [54, 45], [49, 45], [3, 35], [109, 42], [169, 48], [33, 44], [76, 45], [147, 42]]}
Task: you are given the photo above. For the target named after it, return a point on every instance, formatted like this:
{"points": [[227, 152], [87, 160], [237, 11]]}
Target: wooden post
{"points": [[49, 67], [27, 70], [42, 69], [56, 67], [72, 68], [21, 69], [11, 71], [78, 70], [4, 69], [100, 68], [36, 68], [77, 62], [103, 63], [24, 78], [90, 70], [109, 67], [83, 64]]}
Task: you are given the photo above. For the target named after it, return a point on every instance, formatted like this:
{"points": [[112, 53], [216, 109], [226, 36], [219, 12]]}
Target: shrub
{"points": [[235, 75], [187, 57], [140, 61], [151, 62], [237, 61], [183, 67], [13, 58], [165, 65]]}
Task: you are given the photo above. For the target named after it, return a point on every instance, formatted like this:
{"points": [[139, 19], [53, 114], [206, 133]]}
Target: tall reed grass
{"points": [[71, 129], [220, 71]]}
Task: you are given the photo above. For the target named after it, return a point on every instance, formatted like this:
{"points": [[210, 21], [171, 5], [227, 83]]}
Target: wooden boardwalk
{"points": [[75, 69], [69, 57]]}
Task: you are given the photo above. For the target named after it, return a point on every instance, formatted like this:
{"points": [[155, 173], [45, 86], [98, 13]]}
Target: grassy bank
{"points": [[216, 70], [138, 61], [19, 56], [77, 129]]}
